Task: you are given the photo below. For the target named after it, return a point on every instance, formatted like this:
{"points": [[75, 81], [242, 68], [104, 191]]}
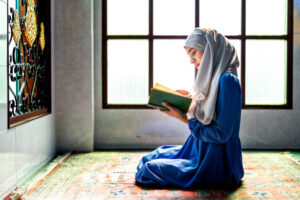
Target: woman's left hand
{"points": [[174, 112]]}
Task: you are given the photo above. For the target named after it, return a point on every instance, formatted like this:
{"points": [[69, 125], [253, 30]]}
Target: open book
{"points": [[160, 93]]}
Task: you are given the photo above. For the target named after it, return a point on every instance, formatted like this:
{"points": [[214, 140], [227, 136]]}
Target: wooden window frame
{"points": [[243, 37]]}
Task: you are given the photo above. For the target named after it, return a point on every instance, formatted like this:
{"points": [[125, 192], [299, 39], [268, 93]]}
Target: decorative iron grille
{"points": [[28, 72]]}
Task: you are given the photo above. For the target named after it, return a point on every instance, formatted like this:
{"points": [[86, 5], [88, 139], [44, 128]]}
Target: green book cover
{"points": [[158, 96]]}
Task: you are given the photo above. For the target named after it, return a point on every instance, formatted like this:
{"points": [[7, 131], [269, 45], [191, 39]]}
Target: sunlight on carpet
{"points": [[110, 175]]}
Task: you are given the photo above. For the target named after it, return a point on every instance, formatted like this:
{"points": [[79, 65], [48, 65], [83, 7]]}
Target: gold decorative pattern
{"points": [[42, 36], [16, 30], [30, 23]]}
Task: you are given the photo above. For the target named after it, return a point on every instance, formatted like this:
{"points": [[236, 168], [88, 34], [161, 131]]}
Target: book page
{"points": [[164, 88]]}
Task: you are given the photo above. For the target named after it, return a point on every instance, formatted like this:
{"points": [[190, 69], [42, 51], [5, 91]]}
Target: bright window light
{"points": [[128, 71], [266, 72]]}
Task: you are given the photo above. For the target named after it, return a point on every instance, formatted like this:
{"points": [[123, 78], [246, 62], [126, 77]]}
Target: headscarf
{"points": [[219, 57]]}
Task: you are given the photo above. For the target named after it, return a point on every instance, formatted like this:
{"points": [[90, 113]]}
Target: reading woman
{"points": [[211, 154]]}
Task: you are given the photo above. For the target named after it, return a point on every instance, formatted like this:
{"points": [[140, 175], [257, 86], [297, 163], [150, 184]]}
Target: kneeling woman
{"points": [[211, 154]]}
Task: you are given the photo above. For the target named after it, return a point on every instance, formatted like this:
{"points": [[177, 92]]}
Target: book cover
{"points": [[162, 93]]}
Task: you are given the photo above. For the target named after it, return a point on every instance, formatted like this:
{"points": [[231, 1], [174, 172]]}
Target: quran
{"points": [[160, 93]]}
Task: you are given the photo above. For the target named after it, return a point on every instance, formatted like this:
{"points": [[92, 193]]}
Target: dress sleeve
{"points": [[228, 107]]}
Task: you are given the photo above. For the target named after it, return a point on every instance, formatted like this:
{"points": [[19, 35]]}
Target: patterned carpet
{"points": [[110, 175]]}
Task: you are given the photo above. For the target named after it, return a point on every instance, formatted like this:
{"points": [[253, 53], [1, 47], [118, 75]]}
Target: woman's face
{"points": [[195, 56]]}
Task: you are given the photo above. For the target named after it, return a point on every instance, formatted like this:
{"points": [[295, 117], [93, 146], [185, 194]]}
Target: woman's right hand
{"points": [[184, 93]]}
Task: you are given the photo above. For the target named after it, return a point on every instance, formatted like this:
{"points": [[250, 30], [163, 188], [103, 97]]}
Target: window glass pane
{"points": [[128, 71], [237, 46], [225, 18], [266, 72], [172, 66], [173, 17], [266, 17], [128, 17]]}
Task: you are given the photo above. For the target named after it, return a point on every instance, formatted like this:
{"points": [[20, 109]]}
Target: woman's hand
{"points": [[184, 93], [174, 112]]}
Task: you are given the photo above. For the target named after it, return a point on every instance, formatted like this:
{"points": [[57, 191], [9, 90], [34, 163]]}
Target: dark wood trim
{"points": [[150, 17], [104, 54], [243, 49], [150, 82], [268, 107], [15, 121], [276, 37], [168, 36], [133, 106], [197, 13], [149, 37], [197, 24], [108, 37], [290, 55]]}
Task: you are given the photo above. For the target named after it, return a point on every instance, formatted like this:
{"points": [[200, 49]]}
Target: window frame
{"points": [[242, 37]]}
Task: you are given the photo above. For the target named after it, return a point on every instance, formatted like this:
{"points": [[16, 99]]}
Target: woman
{"points": [[211, 154]]}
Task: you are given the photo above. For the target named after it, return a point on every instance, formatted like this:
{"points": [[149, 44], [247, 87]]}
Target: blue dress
{"points": [[211, 154]]}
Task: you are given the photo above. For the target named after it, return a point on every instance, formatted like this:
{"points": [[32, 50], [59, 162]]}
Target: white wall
{"points": [[73, 60], [3, 69], [124, 128], [25, 148]]}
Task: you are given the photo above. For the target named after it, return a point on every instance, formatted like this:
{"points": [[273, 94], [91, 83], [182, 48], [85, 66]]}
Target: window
{"points": [[28, 60], [143, 44]]}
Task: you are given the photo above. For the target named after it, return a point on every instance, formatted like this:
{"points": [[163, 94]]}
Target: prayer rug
{"points": [[110, 176]]}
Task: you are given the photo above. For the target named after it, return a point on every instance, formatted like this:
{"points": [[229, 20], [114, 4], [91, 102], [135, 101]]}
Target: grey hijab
{"points": [[219, 57]]}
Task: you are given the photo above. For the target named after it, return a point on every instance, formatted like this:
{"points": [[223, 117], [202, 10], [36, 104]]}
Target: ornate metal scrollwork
{"points": [[28, 78]]}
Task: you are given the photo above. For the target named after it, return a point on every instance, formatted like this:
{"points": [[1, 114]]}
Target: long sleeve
{"points": [[228, 107]]}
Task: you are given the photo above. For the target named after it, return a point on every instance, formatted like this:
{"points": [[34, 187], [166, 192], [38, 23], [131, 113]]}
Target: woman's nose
{"points": [[192, 60]]}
